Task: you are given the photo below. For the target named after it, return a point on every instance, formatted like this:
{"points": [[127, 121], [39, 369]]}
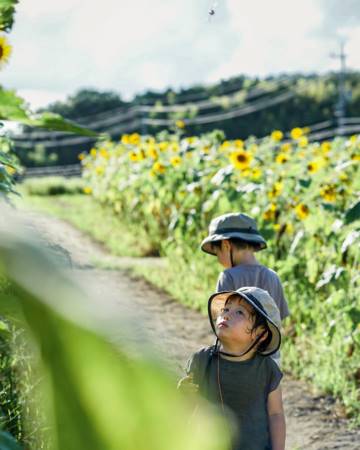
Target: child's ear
{"points": [[263, 333], [225, 244]]}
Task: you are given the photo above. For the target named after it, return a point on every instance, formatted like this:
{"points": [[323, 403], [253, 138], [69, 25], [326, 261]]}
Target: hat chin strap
{"points": [[241, 354]]}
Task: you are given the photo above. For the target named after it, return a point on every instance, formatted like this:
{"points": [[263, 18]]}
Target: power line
{"points": [[140, 123], [135, 111], [213, 118]]}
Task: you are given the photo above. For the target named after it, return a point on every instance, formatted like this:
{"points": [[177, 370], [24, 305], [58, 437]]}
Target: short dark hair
{"points": [[260, 321], [239, 244]]}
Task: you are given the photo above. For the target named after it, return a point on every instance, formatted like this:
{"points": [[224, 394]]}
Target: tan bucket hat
{"points": [[232, 225], [261, 301]]}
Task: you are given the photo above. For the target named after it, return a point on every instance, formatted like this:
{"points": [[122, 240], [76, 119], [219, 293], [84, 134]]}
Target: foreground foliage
{"points": [[93, 394]]}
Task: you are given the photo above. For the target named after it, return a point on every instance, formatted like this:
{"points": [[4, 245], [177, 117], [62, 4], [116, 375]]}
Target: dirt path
{"points": [[312, 423]]}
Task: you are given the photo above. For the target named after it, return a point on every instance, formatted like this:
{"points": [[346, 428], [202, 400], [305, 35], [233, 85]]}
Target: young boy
{"points": [[237, 374], [234, 239]]}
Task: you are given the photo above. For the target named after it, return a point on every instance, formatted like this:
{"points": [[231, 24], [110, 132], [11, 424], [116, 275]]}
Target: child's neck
{"points": [[244, 257], [236, 350]]}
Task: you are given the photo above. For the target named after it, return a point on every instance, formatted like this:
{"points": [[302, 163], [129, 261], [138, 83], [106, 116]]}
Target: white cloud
{"points": [[131, 46]]}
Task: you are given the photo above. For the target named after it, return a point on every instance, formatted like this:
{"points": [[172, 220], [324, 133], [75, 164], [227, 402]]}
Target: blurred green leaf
{"points": [[353, 213], [305, 183], [354, 314], [52, 121], [98, 396], [4, 327], [13, 107], [7, 11]]}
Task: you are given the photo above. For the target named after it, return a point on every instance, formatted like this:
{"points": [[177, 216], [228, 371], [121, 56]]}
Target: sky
{"points": [[130, 46]]}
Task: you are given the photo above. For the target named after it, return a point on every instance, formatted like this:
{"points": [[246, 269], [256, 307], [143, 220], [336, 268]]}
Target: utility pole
{"points": [[340, 107]]}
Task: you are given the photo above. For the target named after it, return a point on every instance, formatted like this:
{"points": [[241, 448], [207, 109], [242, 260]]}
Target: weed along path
{"points": [[312, 421]]}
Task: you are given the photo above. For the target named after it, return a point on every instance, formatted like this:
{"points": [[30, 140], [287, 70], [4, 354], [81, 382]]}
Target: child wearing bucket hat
{"points": [[234, 239], [237, 373]]}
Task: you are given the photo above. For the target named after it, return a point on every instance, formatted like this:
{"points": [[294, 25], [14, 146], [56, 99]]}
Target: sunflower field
{"points": [[305, 198]]}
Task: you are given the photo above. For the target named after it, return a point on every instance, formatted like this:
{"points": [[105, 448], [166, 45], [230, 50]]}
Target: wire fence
{"points": [[68, 171]]}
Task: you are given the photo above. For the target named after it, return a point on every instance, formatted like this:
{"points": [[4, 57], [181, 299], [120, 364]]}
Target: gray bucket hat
{"points": [[261, 301], [232, 225]]}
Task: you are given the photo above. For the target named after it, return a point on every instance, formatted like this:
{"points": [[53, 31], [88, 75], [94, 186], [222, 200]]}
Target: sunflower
{"points": [[134, 138], [224, 146], [133, 156], [241, 159], [289, 228], [354, 138], [303, 141], [282, 158], [174, 146], [158, 168], [163, 146], [180, 124], [276, 190], [277, 135], [343, 177], [141, 155], [256, 173], [302, 211], [99, 170], [328, 193], [325, 147], [87, 190], [286, 147], [191, 140], [296, 133], [175, 161], [125, 139], [152, 152], [239, 143], [269, 213], [104, 153], [5, 51], [313, 166]]}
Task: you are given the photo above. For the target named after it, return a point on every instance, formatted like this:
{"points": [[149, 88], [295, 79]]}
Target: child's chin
{"points": [[221, 331]]}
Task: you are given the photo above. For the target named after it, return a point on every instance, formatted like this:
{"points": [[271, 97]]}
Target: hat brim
{"points": [[216, 303], [207, 247]]}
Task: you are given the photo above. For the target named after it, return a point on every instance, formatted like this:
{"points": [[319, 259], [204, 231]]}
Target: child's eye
{"points": [[239, 312], [224, 310]]}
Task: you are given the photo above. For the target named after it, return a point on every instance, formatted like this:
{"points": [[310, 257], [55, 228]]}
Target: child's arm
{"points": [[276, 419]]}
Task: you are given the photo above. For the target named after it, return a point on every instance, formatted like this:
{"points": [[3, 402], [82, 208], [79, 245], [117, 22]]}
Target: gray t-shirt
{"points": [[245, 386], [254, 275]]}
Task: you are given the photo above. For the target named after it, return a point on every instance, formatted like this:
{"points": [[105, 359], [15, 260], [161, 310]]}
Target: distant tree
{"points": [[85, 103]]}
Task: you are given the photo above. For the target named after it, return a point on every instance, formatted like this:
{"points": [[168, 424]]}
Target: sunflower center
{"points": [[241, 158]]}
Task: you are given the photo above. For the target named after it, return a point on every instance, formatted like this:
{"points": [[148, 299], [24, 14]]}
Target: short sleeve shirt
{"points": [[254, 275], [244, 387]]}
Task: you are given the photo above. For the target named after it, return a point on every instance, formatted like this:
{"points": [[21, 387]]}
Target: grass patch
{"points": [[97, 221], [53, 186]]}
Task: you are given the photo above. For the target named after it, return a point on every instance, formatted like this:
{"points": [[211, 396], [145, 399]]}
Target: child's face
{"points": [[235, 322]]}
